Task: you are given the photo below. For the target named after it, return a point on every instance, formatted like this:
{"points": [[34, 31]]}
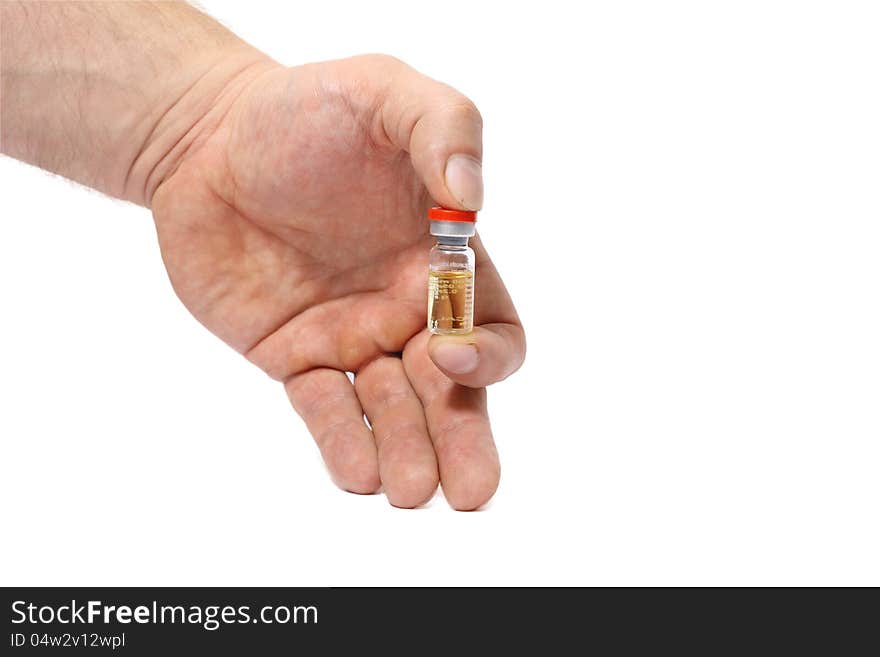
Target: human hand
{"points": [[296, 231], [290, 206]]}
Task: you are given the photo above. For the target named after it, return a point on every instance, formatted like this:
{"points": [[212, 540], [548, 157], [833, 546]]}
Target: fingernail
{"points": [[456, 358], [464, 180]]}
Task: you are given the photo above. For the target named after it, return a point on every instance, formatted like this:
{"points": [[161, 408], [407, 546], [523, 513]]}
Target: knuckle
{"points": [[462, 108], [391, 393], [381, 61], [336, 436], [399, 433], [383, 384], [311, 399]]}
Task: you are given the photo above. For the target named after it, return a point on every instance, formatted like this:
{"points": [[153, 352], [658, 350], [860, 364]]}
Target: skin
{"points": [[290, 205]]}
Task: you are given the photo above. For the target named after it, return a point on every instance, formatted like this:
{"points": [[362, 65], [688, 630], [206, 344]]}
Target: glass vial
{"points": [[451, 272]]}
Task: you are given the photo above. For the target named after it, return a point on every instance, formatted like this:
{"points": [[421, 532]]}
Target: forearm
{"points": [[112, 94]]}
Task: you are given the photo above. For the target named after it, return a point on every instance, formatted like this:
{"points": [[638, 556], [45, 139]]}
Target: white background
{"points": [[684, 199]]}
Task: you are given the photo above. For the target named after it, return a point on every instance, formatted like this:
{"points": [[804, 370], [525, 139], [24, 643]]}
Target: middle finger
{"points": [[407, 463]]}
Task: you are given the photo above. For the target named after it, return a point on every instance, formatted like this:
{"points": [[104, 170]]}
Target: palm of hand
{"points": [[296, 232]]}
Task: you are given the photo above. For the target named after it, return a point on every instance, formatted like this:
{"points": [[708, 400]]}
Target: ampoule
{"points": [[451, 272]]}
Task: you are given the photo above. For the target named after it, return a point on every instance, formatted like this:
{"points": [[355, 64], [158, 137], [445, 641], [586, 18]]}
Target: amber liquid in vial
{"points": [[451, 301]]}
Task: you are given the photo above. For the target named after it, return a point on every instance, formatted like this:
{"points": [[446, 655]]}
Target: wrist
{"points": [[111, 94], [183, 119]]}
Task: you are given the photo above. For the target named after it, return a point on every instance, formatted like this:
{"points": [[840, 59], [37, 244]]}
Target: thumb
{"points": [[442, 131]]}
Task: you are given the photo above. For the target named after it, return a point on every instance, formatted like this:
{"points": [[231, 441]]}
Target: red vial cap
{"points": [[445, 214]]}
